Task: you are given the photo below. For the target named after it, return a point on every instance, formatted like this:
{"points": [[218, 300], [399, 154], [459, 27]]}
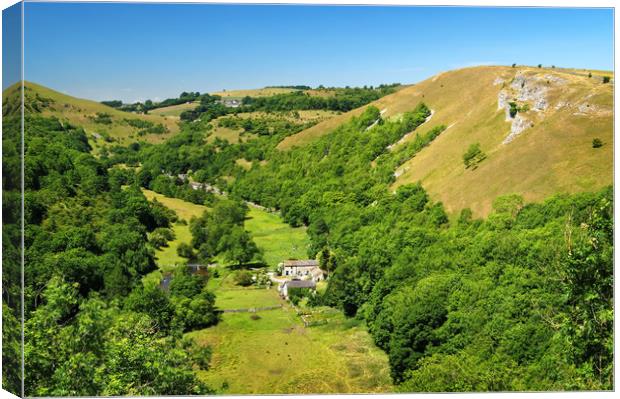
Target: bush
{"points": [[201, 355], [596, 143], [514, 65], [243, 278], [473, 156], [540, 65], [513, 109], [157, 241], [184, 250], [193, 313], [605, 79], [102, 118], [262, 279], [295, 295], [168, 234], [160, 237]]}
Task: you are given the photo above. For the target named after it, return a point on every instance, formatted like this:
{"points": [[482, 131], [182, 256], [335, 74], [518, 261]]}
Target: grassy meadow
{"points": [[167, 256], [283, 356], [278, 240]]}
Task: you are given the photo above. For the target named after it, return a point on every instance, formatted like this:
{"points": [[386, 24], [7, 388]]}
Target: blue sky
{"points": [[11, 45], [154, 51]]}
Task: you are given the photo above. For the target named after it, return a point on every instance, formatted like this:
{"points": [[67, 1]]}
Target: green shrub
{"points": [[184, 250], [168, 234], [160, 237], [243, 278], [196, 312], [295, 295], [473, 156], [513, 109], [201, 355], [102, 117], [596, 143], [605, 79]]}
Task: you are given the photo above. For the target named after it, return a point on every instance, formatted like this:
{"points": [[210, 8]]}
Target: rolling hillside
{"points": [[264, 92], [101, 123], [545, 149], [174, 111]]}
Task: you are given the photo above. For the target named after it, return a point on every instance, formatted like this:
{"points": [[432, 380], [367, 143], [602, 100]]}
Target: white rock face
{"points": [[541, 104], [586, 108], [555, 79], [519, 124], [399, 172], [498, 81], [503, 99], [533, 89]]}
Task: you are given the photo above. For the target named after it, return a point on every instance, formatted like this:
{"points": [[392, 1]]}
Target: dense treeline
{"points": [[295, 87], [148, 105], [335, 168], [11, 245], [90, 323], [210, 162], [342, 100], [210, 108]]}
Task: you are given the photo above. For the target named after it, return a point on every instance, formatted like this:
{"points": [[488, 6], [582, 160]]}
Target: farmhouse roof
{"points": [[300, 284], [302, 263], [316, 272]]}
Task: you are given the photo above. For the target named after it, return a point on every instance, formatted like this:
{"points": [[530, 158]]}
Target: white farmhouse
{"points": [[305, 269]]}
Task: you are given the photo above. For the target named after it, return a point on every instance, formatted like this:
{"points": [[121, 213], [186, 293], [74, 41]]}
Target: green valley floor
{"points": [[271, 351]]}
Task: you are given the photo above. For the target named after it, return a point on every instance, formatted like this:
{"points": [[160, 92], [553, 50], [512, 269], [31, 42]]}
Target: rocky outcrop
{"points": [[519, 124], [503, 98], [530, 89]]}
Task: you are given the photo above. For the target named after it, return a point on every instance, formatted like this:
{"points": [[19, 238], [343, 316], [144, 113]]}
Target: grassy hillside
{"points": [[298, 117], [167, 256], [101, 123], [554, 155], [174, 110], [264, 92]]}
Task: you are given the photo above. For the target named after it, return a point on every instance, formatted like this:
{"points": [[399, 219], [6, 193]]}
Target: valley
{"points": [[442, 224], [274, 346]]}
